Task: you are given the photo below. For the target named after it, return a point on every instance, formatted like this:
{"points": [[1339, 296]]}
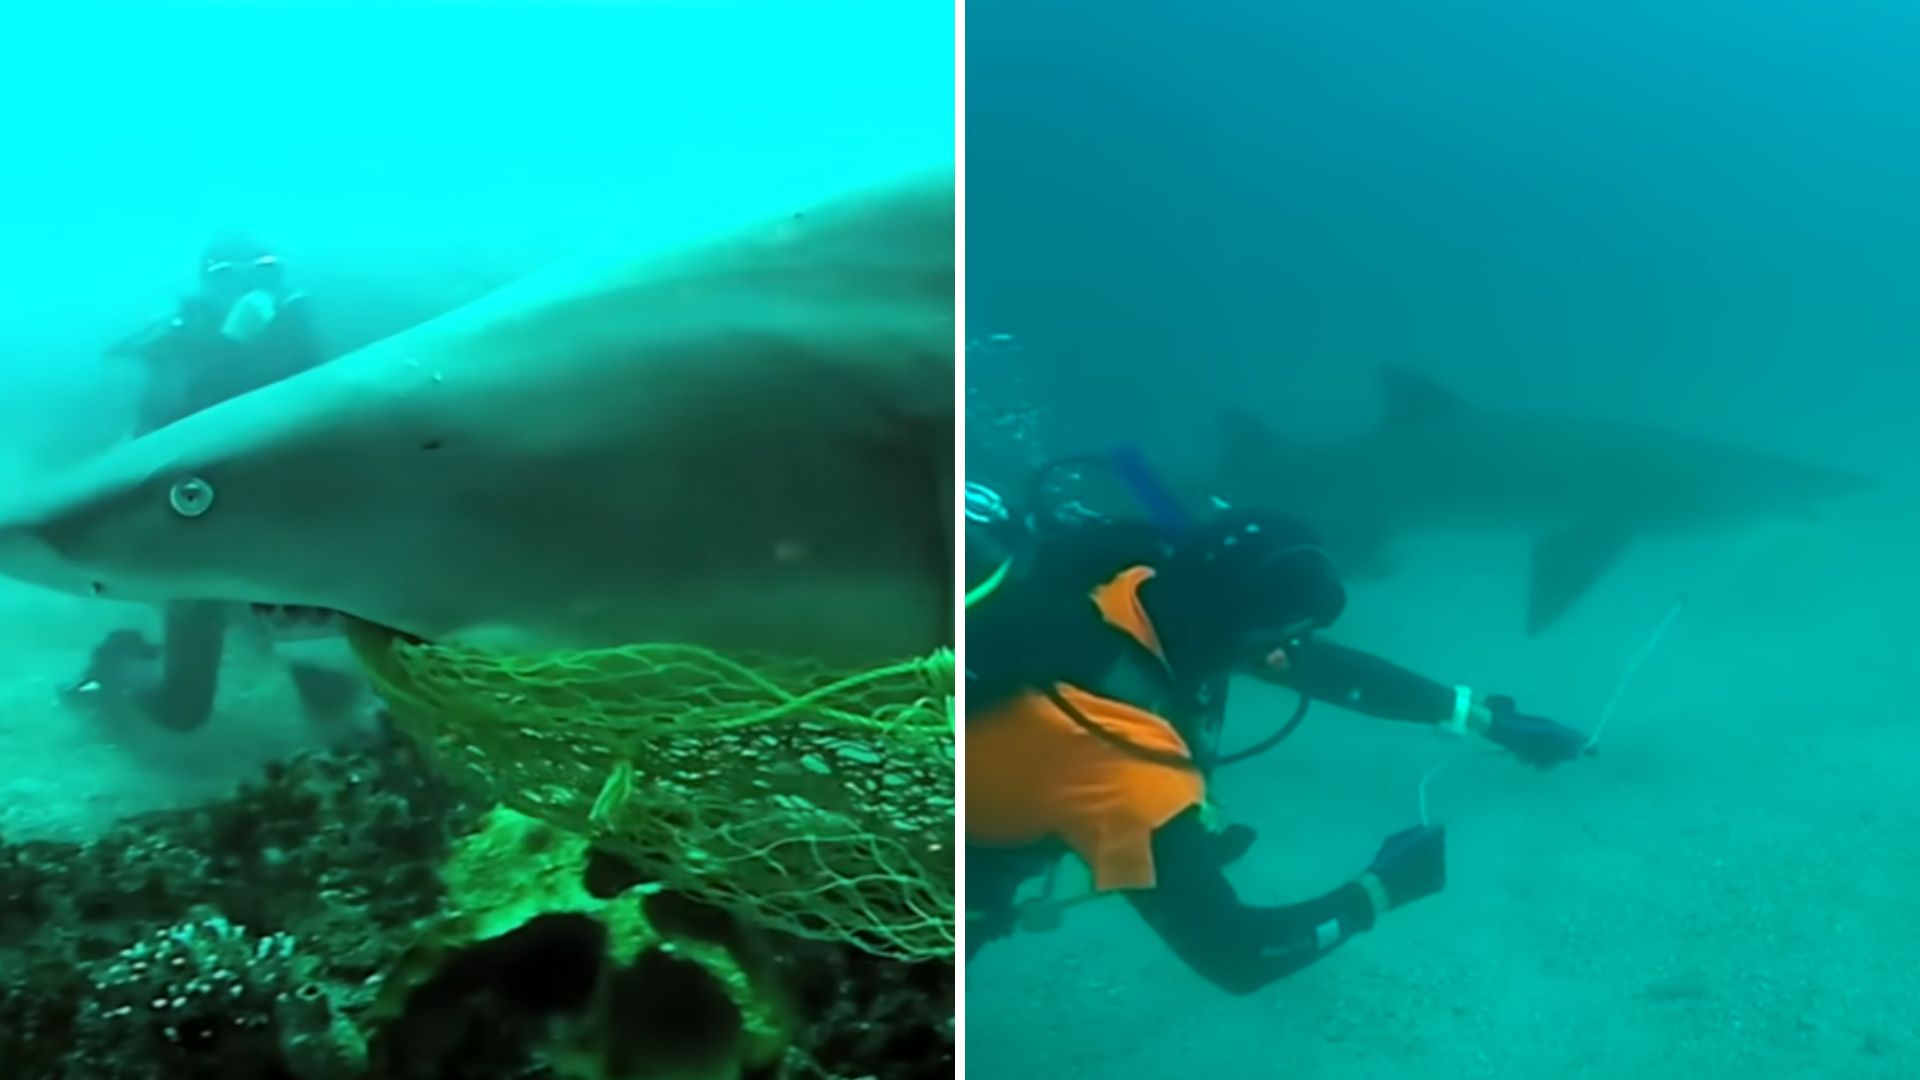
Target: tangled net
{"points": [[815, 802]]}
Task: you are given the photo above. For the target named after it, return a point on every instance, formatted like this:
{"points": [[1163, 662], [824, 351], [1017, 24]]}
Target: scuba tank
{"points": [[1038, 562]]}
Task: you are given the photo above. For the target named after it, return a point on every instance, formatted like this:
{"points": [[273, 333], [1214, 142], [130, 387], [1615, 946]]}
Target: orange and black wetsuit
{"points": [[1090, 759]]}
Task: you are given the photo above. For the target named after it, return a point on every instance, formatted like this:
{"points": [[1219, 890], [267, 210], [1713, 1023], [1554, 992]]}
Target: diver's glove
{"points": [[1411, 865], [1232, 843], [985, 927], [1535, 740]]}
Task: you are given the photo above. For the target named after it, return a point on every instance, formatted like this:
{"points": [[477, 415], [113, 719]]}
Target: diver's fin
{"points": [[1567, 562], [1408, 397]]}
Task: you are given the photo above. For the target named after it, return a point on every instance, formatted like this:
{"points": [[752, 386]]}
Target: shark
{"points": [[738, 435], [1584, 489]]}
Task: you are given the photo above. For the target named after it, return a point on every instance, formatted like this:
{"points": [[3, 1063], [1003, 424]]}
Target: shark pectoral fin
{"points": [[1567, 562]]}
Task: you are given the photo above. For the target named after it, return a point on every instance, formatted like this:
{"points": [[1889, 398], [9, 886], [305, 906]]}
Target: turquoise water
{"points": [[1699, 217], [1701, 213], [413, 154], [230, 900]]}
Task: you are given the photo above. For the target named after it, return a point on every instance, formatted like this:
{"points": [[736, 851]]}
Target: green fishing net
{"points": [[815, 802]]}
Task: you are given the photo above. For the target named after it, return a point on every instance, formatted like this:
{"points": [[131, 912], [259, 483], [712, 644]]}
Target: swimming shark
{"points": [[1585, 489], [740, 438]]}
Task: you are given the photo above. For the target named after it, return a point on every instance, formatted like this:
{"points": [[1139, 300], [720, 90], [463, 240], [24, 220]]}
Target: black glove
{"points": [[984, 927], [1412, 864], [1232, 843], [1535, 740]]}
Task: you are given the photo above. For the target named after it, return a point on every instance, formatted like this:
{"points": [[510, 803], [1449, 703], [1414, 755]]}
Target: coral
{"points": [[533, 928], [338, 852], [869, 1017], [552, 952], [514, 868], [212, 999], [350, 894]]}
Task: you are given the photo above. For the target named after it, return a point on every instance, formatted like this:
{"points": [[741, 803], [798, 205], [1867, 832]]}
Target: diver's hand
{"points": [[1232, 843], [1411, 864], [986, 927], [1535, 740]]}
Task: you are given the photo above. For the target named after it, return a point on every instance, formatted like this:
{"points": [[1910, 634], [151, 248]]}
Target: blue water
{"points": [[184, 902], [1699, 212], [412, 153], [402, 158], [1700, 216]]}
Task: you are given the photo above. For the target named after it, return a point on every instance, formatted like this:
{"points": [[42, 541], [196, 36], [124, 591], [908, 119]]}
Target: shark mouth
{"points": [[297, 621], [305, 622]]}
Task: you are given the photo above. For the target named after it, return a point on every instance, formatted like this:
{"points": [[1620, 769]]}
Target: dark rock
{"points": [[340, 853]]}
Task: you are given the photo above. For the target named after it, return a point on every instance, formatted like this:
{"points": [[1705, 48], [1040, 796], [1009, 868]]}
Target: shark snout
{"points": [[26, 555]]}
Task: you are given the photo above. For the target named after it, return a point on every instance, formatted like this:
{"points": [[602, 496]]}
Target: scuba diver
{"points": [[242, 329], [1098, 657]]}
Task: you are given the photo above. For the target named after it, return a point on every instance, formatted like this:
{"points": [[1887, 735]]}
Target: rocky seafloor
{"points": [[350, 917]]}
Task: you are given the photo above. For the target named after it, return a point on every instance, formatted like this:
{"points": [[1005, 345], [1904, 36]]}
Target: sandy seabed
{"points": [[1730, 889], [67, 773]]}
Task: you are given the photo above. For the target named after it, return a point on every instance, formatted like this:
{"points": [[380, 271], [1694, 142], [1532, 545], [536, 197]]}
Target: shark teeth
{"points": [[297, 620]]}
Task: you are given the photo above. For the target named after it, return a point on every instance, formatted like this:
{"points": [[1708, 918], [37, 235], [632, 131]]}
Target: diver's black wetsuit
{"points": [[194, 366], [1365, 683], [1195, 909], [1236, 946], [1244, 575]]}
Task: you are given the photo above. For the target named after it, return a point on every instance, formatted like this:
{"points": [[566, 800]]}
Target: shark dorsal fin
{"points": [[1412, 398]]}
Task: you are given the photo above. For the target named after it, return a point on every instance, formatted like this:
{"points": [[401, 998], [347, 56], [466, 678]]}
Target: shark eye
{"points": [[191, 497]]}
